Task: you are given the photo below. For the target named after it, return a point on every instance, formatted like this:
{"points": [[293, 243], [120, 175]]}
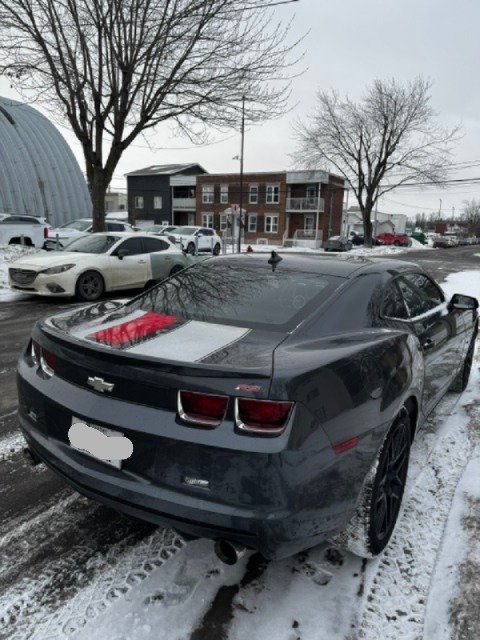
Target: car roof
{"points": [[343, 266]]}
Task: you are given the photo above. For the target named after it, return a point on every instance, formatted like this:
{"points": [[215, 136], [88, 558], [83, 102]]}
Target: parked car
{"points": [[72, 230], [18, 229], [338, 243], [443, 242], [396, 239], [206, 239], [269, 403], [358, 239], [96, 263]]}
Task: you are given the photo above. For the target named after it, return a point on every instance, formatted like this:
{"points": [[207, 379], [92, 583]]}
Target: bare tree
{"points": [[117, 68], [390, 134], [471, 215]]}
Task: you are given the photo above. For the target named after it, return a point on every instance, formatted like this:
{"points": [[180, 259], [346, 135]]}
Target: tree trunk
{"points": [[98, 189], [367, 226]]}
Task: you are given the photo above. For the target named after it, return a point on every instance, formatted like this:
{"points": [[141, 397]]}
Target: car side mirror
{"points": [[463, 302], [199, 234], [122, 253]]}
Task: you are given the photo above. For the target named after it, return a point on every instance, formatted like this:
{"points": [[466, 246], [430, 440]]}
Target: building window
{"points": [[253, 199], [108, 205], [252, 224], [207, 220], [273, 194], [224, 194], [207, 193], [223, 221], [138, 202], [157, 202], [271, 224]]}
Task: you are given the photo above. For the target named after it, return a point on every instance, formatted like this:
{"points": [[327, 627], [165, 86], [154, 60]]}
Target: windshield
{"points": [[77, 225], [186, 231], [92, 244], [229, 292]]}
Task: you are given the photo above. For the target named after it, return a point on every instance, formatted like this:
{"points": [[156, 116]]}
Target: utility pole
{"points": [[241, 177], [440, 210]]}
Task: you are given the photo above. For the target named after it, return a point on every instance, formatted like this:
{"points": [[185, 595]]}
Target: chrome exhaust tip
{"points": [[31, 457], [229, 552]]}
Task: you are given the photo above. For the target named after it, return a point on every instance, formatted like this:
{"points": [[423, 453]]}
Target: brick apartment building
{"points": [[277, 206]]}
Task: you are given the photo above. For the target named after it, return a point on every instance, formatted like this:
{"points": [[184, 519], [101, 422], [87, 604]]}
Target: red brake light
{"points": [[201, 408], [45, 232], [47, 362], [345, 446], [263, 417]]}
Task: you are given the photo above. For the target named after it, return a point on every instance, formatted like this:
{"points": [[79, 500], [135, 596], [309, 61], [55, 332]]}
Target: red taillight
{"points": [[43, 357], [45, 232], [47, 362], [201, 408], [264, 417]]}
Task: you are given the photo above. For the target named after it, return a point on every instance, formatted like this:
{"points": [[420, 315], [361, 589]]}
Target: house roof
{"points": [[164, 169]]}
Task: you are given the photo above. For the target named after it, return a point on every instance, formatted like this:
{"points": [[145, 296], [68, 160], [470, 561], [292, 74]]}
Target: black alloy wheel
{"points": [[191, 248], [216, 250], [389, 484], [90, 286]]}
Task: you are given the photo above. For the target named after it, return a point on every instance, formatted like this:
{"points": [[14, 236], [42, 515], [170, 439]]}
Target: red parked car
{"points": [[397, 239]]}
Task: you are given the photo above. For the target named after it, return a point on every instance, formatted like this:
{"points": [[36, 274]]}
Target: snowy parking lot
{"points": [[70, 568]]}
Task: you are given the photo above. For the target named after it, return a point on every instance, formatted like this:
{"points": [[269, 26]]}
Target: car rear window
{"points": [[248, 295]]}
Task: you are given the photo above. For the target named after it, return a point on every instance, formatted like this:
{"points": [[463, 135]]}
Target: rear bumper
{"points": [[278, 503]]}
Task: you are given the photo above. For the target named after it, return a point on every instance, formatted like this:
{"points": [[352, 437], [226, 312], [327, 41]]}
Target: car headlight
{"points": [[60, 269]]}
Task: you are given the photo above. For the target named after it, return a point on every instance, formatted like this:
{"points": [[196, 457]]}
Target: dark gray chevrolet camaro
{"points": [[268, 402]]}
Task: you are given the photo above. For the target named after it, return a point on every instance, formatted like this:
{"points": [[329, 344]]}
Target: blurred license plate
{"points": [[103, 430]]}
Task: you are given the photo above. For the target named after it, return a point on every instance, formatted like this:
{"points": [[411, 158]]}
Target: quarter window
{"points": [[273, 194], [208, 193], [271, 224], [393, 303]]}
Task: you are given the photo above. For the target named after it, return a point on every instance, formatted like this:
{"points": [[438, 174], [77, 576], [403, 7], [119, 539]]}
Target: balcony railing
{"points": [[184, 204], [305, 204]]}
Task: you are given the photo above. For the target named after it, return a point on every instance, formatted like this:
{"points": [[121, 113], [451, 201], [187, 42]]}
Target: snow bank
{"points": [[466, 282]]}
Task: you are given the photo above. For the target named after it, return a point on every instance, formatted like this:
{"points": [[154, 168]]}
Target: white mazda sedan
{"points": [[97, 263]]}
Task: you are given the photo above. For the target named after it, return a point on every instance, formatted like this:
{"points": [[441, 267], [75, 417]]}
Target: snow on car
{"points": [[97, 263], [26, 230]]}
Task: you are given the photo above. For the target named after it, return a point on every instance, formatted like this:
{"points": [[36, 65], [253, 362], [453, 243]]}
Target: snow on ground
{"points": [[8, 254], [466, 282], [359, 251]]}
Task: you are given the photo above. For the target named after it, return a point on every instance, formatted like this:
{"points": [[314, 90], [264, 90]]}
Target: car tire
{"points": [[216, 249], [191, 248], [369, 530], [175, 269], [460, 381], [90, 286], [396, 243]]}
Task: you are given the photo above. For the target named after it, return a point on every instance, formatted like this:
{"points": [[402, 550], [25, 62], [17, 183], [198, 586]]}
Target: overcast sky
{"points": [[351, 43]]}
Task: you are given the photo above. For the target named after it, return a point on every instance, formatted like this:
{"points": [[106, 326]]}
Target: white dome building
{"points": [[39, 174]]}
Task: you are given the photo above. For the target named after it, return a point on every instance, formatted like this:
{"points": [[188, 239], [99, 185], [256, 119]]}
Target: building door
{"points": [[309, 225], [191, 219]]}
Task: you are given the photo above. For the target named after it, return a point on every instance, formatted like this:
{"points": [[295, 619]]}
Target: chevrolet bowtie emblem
{"points": [[99, 384]]}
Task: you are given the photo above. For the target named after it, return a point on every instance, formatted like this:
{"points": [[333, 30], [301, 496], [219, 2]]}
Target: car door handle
{"points": [[428, 344]]}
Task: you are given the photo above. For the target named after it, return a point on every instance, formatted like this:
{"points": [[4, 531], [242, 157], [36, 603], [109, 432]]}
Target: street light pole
{"points": [[241, 177]]}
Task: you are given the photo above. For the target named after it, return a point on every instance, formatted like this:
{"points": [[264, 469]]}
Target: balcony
{"points": [[184, 204], [305, 205]]}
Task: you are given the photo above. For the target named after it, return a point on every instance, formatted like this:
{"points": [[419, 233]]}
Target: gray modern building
{"points": [[164, 194], [39, 174]]}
